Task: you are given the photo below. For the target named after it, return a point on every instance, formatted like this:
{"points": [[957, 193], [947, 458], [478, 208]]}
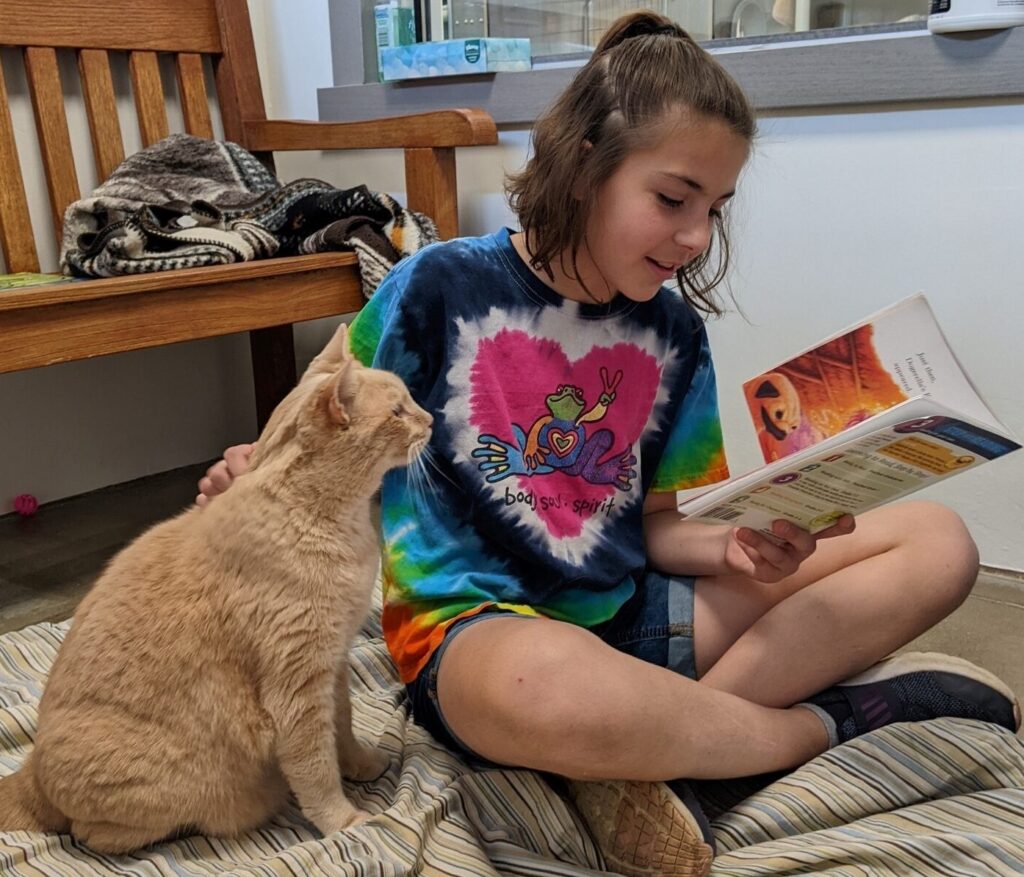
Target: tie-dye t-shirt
{"points": [[552, 421]]}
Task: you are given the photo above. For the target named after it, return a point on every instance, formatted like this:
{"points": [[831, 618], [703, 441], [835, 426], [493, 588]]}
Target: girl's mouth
{"points": [[664, 271]]}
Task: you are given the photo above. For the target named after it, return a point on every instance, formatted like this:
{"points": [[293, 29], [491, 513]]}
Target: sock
{"points": [[831, 727]]}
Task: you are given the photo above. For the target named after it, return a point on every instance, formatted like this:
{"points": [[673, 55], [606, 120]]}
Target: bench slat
{"points": [[236, 74], [47, 335], [16, 239], [52, 125], [149, 96], [430, 187], [101, 108], [195, 103], [156, 25]]}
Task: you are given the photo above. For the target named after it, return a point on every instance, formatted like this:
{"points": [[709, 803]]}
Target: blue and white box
{"points": [[454, 58]]}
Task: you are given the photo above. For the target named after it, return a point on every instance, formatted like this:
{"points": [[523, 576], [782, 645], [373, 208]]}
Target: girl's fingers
{"points": [[761, 546], [845, 525], [236, 459], [770, 561], [802, 542], [219, 477]]}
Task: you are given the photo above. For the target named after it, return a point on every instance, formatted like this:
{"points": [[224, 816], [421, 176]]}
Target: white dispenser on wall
{"points": [[954, 15]]}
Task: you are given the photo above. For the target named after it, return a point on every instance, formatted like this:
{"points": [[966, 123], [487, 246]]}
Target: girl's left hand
{"points": [[751, 554]]}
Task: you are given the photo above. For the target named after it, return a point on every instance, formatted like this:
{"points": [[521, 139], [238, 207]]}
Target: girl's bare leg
{"points": [[552, 696], [856, 600]]}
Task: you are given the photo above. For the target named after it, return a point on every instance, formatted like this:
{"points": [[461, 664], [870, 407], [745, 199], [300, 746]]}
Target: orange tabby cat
{"points": [[206, 672]]}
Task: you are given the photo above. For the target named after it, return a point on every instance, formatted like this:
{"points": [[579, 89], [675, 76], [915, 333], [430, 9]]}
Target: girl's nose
{"points": [[694, 236]]}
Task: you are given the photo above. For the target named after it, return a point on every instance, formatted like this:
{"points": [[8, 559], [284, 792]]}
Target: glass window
{"points": [[568, 28]]}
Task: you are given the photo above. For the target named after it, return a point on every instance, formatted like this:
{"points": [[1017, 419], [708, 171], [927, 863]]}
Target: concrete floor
{"points": [[48, 561]]}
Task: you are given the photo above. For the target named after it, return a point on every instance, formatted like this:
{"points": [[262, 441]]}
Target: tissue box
{"points": [[395, 25], [454, 58]]}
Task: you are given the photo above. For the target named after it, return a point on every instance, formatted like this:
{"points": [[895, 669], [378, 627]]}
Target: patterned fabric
{"points": [[185, 202], [552, 421], [942, 798]]}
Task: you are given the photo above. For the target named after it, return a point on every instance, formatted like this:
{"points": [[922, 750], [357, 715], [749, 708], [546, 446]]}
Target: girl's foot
{"points": [[646, 829], [913, 687]]}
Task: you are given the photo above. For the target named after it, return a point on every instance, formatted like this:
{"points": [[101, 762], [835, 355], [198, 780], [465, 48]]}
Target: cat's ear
{"points": [[341, 392], [335, 352]]}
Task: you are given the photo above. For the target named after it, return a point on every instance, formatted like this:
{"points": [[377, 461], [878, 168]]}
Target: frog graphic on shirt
{"points": [[558, 441]]}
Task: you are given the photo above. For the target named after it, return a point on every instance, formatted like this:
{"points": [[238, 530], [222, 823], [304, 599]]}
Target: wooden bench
{"points": [[50, 324]]}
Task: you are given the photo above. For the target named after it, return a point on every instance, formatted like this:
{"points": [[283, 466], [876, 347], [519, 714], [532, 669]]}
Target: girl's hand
{"points": [[220, 476], [749, 553]]}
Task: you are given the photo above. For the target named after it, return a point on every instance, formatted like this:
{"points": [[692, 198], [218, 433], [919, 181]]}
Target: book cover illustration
{"points": [[895, 355], [820, 393]]}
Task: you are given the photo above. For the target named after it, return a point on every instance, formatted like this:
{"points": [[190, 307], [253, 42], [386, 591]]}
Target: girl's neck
{"points": [[563, 283]]}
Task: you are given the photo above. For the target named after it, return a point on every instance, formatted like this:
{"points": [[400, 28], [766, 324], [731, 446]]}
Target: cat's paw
{"points": [[366, 763], [338, 818]]}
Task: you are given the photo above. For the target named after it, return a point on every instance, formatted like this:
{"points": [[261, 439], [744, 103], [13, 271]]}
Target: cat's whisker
{"points": [[426, 482], [414, 479], [429, 460]]}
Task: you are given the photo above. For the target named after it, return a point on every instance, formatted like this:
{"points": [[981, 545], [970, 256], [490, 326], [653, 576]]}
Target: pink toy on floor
{"points": [[26, 505]]}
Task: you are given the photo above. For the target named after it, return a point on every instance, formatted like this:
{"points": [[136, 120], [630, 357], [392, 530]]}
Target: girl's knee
{"points": [[538, 683], [938, 537]]}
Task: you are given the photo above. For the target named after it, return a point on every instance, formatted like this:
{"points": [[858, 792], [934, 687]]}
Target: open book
{"points": [[866, 416]]}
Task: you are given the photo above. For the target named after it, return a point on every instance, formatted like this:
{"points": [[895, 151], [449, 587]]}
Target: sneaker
{"points": [[644, 829], [913, 687]]}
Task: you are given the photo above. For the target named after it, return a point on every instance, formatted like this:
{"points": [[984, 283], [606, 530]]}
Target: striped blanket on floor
{"points": [[938, 798]]}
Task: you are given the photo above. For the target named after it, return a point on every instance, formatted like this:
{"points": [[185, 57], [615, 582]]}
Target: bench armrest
{"points": [[444, 128]]}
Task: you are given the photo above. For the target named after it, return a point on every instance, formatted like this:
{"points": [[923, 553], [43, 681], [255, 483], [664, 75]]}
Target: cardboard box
{"points": [[454, 58]]}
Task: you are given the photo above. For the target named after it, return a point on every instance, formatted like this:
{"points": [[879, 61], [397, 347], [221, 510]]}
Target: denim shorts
{"points": [[655, 625]]}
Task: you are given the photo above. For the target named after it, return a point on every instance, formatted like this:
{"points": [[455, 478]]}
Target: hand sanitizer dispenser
{"points": [[953, 15]]}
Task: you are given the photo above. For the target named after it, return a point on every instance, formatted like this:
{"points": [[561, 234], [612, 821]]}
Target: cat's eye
{"points": [[398, 410]]}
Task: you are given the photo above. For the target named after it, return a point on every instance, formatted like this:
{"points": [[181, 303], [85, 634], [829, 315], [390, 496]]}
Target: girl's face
{"points": [[655, 213]]}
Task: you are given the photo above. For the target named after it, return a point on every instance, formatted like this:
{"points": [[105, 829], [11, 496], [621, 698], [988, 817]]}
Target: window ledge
{"points": [[895, 67]]}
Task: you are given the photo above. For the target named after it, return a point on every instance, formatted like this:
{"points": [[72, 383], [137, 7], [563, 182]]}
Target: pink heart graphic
{"points": [[511, 379], [562, 443]]}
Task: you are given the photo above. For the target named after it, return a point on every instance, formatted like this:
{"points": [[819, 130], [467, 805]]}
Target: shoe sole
{"points": [[916, 662], [642, 829]]}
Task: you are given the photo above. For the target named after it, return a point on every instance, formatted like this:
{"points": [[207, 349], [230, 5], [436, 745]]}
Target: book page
{"points": [[902, 450], [893, 356]]}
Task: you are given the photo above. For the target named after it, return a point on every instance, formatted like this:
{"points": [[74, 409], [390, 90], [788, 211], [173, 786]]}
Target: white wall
{"points": [[838, 215]]}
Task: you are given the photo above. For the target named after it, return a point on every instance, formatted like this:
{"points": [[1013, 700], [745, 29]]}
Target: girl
{"points": [[545, 603]]}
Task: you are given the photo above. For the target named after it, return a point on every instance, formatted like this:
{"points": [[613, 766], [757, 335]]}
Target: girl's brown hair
{"points": [[644, 66]]}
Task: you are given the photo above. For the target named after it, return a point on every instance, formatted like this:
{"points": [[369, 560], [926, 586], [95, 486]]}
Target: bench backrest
{"points": [[190, 30]]}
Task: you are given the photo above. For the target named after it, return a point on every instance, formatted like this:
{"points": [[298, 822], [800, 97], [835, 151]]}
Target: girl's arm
{"points": [[680, 547]]}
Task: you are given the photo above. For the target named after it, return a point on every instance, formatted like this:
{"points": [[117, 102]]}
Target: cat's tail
{"points": [[24, 807]]}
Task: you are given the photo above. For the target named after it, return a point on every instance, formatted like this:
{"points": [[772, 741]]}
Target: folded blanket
{"points": [[186, 202]]}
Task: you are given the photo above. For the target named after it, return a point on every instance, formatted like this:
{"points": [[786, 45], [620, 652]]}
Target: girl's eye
{"points": [[669, 202]]}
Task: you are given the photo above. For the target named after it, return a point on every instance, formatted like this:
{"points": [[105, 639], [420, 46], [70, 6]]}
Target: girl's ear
{"points": [[342, 391]]}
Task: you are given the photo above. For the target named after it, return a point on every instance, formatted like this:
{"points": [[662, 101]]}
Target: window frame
{"points": [[886, 64]]}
